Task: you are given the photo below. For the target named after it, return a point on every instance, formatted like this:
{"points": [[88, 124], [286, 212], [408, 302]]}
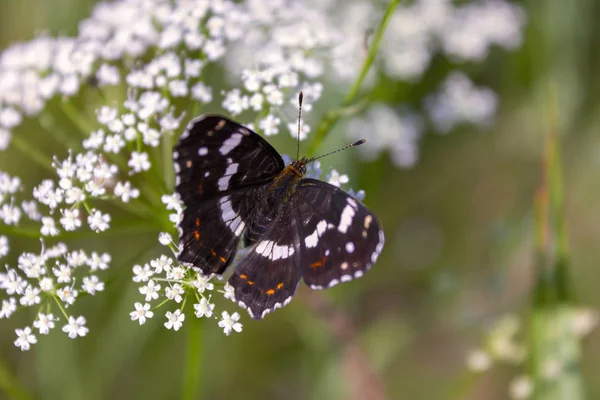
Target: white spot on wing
{"points": [[346, 219], [232, 142], [227, 213], [311, 240], [224, 181], [202, 151], [350, 247]]}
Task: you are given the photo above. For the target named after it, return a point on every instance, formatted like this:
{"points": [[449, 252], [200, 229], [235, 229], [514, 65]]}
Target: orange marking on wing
{"points": [[213, 253], [220, 124], [197, 221], [319, 263], [197, 235], [250, 283], [223, 259], [270, 292], [244, 277], [279, 286]]}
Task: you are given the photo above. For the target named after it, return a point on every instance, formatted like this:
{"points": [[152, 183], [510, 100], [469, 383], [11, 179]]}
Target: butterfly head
{"points": [[298, 167]]}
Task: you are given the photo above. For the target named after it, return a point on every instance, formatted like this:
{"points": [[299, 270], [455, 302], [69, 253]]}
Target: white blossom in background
{"points": [[459, 101], [388, 130], [464, 32], [158, 52]]}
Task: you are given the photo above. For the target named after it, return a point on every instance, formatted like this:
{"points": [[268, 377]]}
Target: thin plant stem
{"points": [[332, 117], [32, 152], [194, 360]]}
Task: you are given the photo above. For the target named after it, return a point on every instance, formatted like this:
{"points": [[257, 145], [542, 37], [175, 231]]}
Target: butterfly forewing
{"points": [[340, 237], [216, 156], [221, 167]]}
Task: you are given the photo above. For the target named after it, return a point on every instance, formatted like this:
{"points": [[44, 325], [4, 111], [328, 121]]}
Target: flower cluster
{"points": [[502, 345], [162, 55], [51, 279]]}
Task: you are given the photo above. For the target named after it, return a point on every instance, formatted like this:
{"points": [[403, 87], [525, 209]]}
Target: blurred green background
{"points": [[458, 256]]}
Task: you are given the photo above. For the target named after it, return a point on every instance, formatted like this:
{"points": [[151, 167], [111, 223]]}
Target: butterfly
{"points": [[236, 188]]}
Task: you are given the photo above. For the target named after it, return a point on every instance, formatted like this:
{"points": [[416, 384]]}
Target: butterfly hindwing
{"points": [[221, 168], [209, 233], [267, 277], [340, 238]]}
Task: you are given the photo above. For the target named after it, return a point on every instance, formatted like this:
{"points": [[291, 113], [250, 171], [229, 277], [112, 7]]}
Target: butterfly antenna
{"points": [[300, 96], [361, 141]]}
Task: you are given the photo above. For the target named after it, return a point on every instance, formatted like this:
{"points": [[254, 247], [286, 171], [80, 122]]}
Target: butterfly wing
{"points": [[267, 277], [340, 239], [221, 168]]}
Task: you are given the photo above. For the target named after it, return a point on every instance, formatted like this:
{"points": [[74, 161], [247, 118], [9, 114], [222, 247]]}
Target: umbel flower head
{"points": [[154, 63]]}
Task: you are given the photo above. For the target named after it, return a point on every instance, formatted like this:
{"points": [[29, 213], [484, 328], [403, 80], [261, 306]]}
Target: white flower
{"points": [[520, 388], [62, 273], [25, 338], [47, 285], [75, 327], [202, 93], [8, 307], [478, 360], [203, 283], [31, 296], [11, 215], [229, 292], [114, 144], [204, 308], [164, 238], [142, 274], [74, 195], [139, 161], [161, 263], [67, 295], [141, 313], [336, 179], [70, 220], [96, 261], [229, 323], [4, 246], [176, 273], [92, 284], [106, 114], [44, 323], [269, 125], [172, 201], [174, 292], [304, 130], [150, 291], [174, 320], [49, 227], [95, 140], [98, 222]]}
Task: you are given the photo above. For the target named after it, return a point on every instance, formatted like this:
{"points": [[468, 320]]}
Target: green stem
{"points": [[77, 118], [331, 118], [32, 152], [194, 360], [10, 385], [129, 229], [167, 155]]}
